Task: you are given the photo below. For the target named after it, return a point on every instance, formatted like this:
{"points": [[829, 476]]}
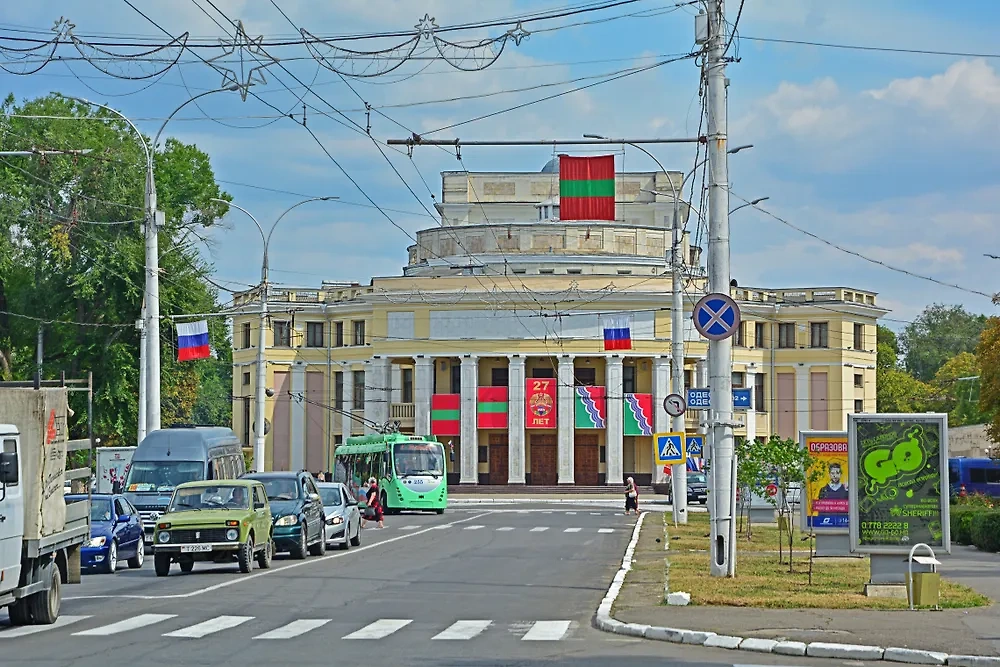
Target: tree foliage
{"points": [[938, 334], [988, 353], [895, 389], [957, 384], [72, 252]]}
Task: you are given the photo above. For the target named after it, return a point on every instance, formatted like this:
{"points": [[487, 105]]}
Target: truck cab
{"points": [[11, 510]]}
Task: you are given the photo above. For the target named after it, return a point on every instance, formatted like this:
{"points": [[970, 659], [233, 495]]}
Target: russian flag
{"points": [[617, 333], [192, 341]]}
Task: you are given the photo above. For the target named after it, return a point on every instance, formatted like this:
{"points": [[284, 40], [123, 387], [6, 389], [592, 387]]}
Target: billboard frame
{"points": [[804, 501]]}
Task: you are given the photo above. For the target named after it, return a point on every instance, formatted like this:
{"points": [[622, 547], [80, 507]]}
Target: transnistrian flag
{"points": [[192, 341], [446, 414], [587, 187], [617, 332], [491, 407]]}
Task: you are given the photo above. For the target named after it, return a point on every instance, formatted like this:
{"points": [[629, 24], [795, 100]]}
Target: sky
{"points": [[892, 156]]}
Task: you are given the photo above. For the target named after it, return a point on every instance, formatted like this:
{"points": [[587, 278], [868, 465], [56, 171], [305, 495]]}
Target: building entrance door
{"points": [[498, 458], [586, 460], [544, 460]]}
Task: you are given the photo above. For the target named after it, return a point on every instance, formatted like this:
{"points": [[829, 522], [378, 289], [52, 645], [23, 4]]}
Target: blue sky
{"points": [[888, 154]]}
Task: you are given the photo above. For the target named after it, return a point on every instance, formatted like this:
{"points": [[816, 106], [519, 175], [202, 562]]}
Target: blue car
{"points": [[115, 533]]}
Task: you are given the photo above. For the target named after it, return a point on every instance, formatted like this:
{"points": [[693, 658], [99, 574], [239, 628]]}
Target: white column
{"points": [[378, 389], [751, 414], [515, 420], [297, 453], [423, 389], [661, 420], [346, 423], [565, 418], [470, 434], [614, 437], [802, 398]]}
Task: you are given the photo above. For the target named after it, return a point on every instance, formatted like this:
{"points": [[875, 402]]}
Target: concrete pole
{"points": [[152, 304], [720, 352], [141, 326], [261, 388], [678, 474]]}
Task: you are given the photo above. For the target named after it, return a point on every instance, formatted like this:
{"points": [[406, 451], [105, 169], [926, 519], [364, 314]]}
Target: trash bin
{"points": [[924, 589]]}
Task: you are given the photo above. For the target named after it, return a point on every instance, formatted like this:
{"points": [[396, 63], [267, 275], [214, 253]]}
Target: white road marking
{"points": [[380, 628], [570, 513], [463, 630], [295, 628], [505, 529], [573, 530], [546, 631], [474, 527], [24, 630], [539, 529], [211, 626], [134, 623], [605, 530], [595, 514], [412, 527]]}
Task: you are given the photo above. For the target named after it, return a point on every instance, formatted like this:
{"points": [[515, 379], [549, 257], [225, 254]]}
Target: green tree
{"points": [[895, 389], [938, 334], [988, 352], [72, 252], [957, 384]]}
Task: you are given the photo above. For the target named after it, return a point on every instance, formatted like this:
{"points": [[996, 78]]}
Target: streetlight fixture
{"points": [[262, 391], [749, 203]]}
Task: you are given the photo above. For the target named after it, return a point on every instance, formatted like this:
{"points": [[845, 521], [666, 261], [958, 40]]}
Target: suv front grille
{"points": [[204, 535]]}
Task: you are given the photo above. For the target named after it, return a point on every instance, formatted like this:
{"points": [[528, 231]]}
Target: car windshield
{"points": [[331, 496], [281, 488], [163, 475], [100, 509], [697, 478], [413, 458], [209, 497]]}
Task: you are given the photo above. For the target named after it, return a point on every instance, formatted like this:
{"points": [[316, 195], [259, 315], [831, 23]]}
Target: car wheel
{"points": [[356, 540], [44, 605], [111, 563], [301, 550], [187, 564], [265, 555], [319, 548], [136, 561], [246, 555], [161, 563]]}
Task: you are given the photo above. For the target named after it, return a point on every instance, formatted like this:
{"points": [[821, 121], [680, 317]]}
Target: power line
{"points": [[862, 47]]}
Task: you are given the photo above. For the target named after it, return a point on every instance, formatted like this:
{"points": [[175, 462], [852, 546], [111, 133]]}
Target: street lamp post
{"points": [[749, 203], [261, 388]]}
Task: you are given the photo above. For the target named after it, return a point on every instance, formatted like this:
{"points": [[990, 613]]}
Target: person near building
{"points": [[631, 496], [374, 503]]}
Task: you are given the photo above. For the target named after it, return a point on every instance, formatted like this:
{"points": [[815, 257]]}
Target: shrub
{"points": [[961, 524], [986, 531]]}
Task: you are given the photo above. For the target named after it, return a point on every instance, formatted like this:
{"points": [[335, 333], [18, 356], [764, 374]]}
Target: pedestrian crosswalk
{"points": [[176, 627], [506, 529]]}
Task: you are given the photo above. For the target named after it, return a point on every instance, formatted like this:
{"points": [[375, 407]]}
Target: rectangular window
{"points": [[740, 339], [247, 424], [819, 334], [859, 336], [739, 380], [282, 333], [338, 390], [859, 380], [359, 332], [246, 335], [628, 379], [246, 379], [758, 393], [314, 334], [689, 380], [406, 379], [859, 405], [338, 334], [543, 372], [585, 377], [359, 390], [758, 334], [456, 378], [500, 377], [484, 454], [786, 335]]}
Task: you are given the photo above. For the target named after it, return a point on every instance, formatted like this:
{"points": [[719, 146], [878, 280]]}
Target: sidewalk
{"points": [[953, 631], [615, 499]]}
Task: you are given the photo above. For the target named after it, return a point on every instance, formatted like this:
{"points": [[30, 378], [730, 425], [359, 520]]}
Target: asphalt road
{"points": [[477, 586]]}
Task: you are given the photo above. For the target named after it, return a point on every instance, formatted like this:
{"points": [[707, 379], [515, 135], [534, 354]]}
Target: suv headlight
{"points": [[97, 542], [232, 534], [287, 520], [163, 537]]}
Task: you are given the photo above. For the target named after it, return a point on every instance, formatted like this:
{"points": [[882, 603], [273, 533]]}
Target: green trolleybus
{"points": [[410, 470]]}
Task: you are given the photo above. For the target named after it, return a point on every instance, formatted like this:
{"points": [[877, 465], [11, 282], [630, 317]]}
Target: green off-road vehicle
{"points": [[213, 521]]}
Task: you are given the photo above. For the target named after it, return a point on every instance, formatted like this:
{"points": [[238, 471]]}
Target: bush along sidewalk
{"points": [[975, 520]]}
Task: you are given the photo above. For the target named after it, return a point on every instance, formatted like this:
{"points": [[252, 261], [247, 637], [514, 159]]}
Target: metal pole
{"points": [[259, 435], [720, 352], [678, 473], [141, 326], [152, 305], [39, 355]]}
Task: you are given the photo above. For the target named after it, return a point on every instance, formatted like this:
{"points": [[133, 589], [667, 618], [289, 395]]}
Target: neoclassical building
{"points": [[492, 340]]}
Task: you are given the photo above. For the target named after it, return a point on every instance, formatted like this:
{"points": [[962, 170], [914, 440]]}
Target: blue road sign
{"points": [[670, 449], [698, 399], [695, 445], [741, 399], [716, 316]]}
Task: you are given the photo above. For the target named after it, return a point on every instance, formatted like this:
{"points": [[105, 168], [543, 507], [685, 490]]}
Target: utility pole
{"points": [[140, 324], [678, 473], [39, 354], [152, 311], [720, 363]]}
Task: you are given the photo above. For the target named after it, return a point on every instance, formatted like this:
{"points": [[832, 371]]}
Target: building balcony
{"points": [[403, 413]]}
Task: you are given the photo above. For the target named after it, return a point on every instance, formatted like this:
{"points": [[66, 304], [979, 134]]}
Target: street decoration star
{"points": [[251, 52], [426, 27], [518, 33]]}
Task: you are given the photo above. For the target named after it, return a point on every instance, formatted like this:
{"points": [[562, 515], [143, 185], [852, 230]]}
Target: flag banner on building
{"points": [[638, 414], [695, 464], [446, 414], [591, 407], [587, 187], [540, 403], [617, 332], [192, 341], [491, 407]]}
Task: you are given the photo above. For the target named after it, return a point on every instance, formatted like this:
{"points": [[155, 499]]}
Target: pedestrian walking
{"points": [[631, 496], [374, 503]]}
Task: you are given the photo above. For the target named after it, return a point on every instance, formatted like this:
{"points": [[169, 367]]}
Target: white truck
{"points": [[40, 534], [113, 464]]}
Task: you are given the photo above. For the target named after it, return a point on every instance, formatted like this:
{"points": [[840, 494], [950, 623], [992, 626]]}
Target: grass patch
{"points": [[693, 536]]}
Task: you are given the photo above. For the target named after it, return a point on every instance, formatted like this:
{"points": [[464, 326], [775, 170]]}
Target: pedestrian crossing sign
{"points": [[671, 449]]}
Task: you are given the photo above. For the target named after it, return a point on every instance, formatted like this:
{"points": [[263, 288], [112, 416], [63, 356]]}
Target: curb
{"points": [[604, 621], [542, 500]]}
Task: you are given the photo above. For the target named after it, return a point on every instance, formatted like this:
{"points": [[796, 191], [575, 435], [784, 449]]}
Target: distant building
{"points": [[502, 301]]}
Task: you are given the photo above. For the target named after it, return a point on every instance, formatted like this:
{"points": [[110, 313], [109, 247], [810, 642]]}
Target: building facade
{"points": [[492, 340]]}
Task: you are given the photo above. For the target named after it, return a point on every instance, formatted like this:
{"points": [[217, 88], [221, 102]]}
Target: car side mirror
{"points": [[8, 469], [352, 503], [314, 497], [124, 518], [258, 506]]}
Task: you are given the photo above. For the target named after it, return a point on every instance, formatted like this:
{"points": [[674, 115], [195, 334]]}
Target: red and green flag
{"points": [[491, 408], [587, 187], [446, 414]]}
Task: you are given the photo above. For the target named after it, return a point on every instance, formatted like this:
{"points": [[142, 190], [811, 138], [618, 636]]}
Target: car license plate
{"points": [[195, 548]]}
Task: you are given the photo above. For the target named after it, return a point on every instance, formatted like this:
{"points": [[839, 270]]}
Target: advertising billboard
{"points": [[899, 495], [825, 496]]}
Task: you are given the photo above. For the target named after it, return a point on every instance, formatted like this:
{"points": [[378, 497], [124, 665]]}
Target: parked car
{"points": [[343, 518], [697, 487], [115, 533], [297, 511], [208, 520]]}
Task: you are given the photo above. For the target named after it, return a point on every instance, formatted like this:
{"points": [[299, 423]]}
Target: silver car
{"points": [[343, 520]]}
